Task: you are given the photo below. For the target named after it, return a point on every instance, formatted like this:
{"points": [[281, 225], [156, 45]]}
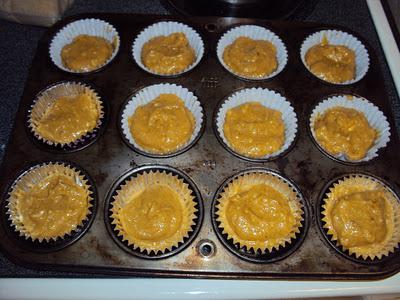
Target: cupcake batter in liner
{"points": [[253, 32], [375, 117], [337, 37], [268, 250], [44, 102], [31, 239], [126, 204], [166, 28], [270, 100], [91, 27], [147, 95], [374, 252]]}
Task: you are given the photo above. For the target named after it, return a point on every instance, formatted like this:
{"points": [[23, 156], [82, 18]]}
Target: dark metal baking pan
{"points": [[207, 163]]}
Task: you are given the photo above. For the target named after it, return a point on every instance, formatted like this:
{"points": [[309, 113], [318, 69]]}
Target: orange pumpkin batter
{"points": [[169, 54], [162, 126], [153, 216], [333, 63], [86, 53], [342, 130], [360, 214], [68, 119], [360, 218], [154, 211], [260, 213], [53, 207], [251, 58], [254, 130]]}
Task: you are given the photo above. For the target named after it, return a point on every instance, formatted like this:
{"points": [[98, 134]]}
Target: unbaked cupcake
{"points": [[251, 58], [168, 48], [162, 119], [335, 56], [256, 123], [84, 46], [254, 130], [65, 114], [349, 128], [362, 216], [252, 52], [165, 114], [86, 53], [154, 212], [168, 55], [259, 211], [49, 201]]}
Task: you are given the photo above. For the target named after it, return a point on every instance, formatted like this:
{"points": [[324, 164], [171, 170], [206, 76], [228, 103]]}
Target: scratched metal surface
{"points": [[208, 164]]}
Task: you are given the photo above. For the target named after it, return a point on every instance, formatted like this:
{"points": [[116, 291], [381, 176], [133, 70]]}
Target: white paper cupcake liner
{"points": [[147, 95], [336, 37], [375, 117], [255, 33], [269, 99], [164, 29], [46, 98], [93, 27]]}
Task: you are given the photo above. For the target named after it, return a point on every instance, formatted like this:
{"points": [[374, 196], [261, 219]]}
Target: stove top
{"points": [[263, 9]]}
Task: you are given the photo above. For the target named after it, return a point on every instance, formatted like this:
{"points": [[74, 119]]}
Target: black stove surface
{"points": [[262, 9]]}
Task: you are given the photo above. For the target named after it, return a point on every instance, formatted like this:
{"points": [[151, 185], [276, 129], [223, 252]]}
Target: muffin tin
{"points": [[207, 164]]}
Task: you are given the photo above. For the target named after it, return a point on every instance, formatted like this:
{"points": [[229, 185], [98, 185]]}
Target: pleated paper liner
{"points": [[147, 94], [46, 98], [112, 205], [256, 33], [389, 251], [269, 99], [279, 251], [14, 226], [93, 27]]}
